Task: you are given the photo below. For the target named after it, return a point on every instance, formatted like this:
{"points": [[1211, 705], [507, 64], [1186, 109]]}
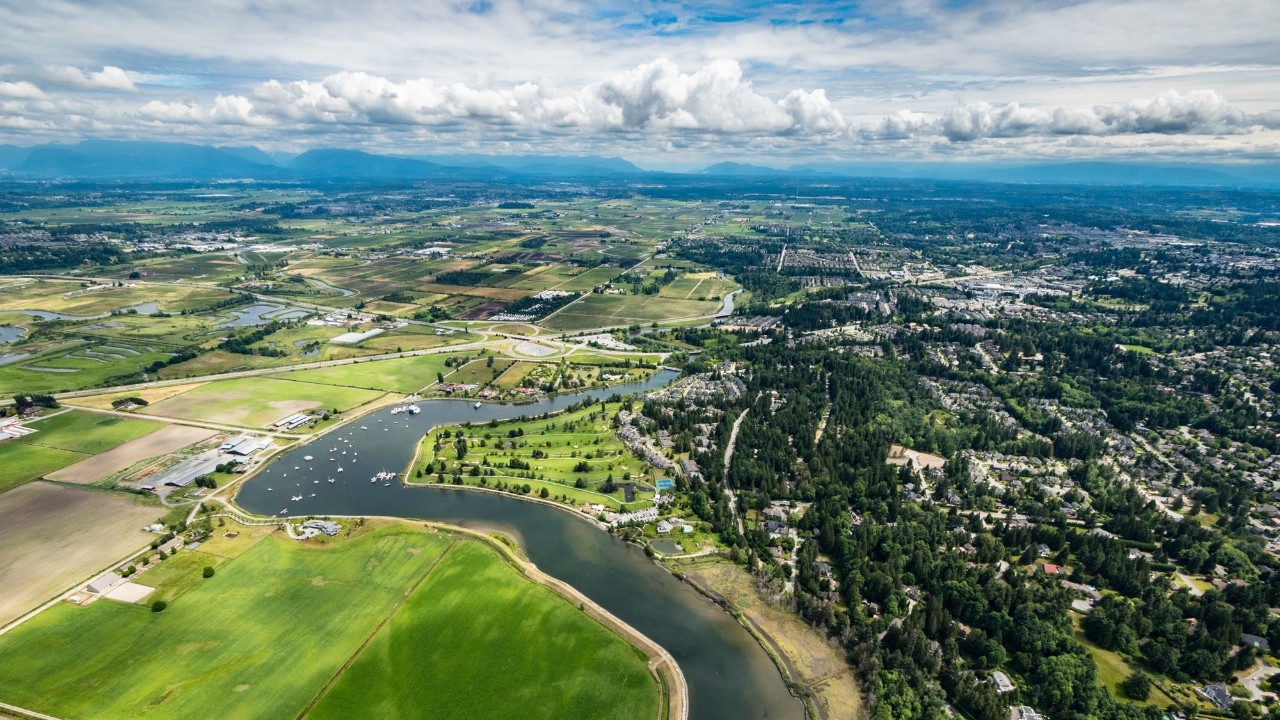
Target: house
{"points": [[328, 528], [823, 569], [1002, 682], [1051, 569], [1022, 712], [664, 527], [1218, 695], [1256, 642]]}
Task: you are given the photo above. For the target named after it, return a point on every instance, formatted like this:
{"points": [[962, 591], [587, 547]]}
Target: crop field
{"points": [[208, 268], [54, 536], [402, 375], [257, 640], [697, 285], [20, 463], [151, 395], [86, 432], [70, 298], [562, 443], [257, 402], [611, 310], [514, 650], [104, 464]]}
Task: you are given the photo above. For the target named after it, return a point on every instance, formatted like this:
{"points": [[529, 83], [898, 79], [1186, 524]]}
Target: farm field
{"points": [[179, 663], [55, 536], [21, 463], [86, 432], [529, 654], [563, 444], [151, 395], [69, 298], [257, 402], [612, 310], [403, 375], [231, 642], [103, 465]]}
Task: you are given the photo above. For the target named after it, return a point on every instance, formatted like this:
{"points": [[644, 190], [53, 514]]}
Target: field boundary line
{"points": [[355, 654]]}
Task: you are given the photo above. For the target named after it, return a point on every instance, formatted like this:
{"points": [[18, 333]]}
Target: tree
{"points": [[208, 571], [1137, 686], [460, 446], [544, 493], [159, 606]]}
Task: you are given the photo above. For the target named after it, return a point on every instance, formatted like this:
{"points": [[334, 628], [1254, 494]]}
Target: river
{"points": [[729, 676]]}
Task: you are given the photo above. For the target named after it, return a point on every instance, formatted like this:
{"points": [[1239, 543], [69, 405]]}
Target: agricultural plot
{"points": [[402, 375], [613, 310], [106, 464], [21, 463], [257, 402], [572, 455], [69, 298], [55, 536], [257, 640], [86, 432], [514, 650]]}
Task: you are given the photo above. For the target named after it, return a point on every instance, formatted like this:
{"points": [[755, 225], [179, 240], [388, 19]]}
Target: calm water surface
{"points": [[730, 677]]}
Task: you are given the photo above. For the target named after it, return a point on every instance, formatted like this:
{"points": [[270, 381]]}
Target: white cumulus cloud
{"points": [[108, 78]]}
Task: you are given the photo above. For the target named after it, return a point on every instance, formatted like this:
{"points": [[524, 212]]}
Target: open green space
{"points": [[258, 401], [86, 432], [257, 640], [20, 462], [515, 650], [74, 365], [403, 375], [573, 456], [612, 310]]}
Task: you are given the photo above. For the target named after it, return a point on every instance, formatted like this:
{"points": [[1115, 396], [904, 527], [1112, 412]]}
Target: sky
{"points": [[663, 84]]}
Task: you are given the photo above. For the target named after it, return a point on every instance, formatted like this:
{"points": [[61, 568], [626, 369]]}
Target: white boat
{"points": [[362, 427], [296, 498], [414, 409], [308, 458], [339, 469], [477, 405], [331, 480], [315, 482]]}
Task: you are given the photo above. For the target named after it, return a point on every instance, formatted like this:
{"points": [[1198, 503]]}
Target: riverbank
{"points": [[813, 668]]}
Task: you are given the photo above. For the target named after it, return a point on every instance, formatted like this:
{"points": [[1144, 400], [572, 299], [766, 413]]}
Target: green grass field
{"points": [[257, 402], [257, 640], [515, 650], [404, 375], [86, 432], [614, 310], [20, 463], [281, 620], [564, 441]]}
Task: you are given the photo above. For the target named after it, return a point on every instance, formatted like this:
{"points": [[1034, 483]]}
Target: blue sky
{"points": [[661, 83]]}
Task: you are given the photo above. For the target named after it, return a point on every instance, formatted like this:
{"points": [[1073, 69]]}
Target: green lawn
{"points": [[513, 650], [257, 640], [404, 375], [258, 402], [563, 441], [87, 432], [20, 462]]}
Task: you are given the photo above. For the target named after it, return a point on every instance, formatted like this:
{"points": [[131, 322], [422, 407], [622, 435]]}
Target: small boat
{"points": [[313, 494], [414, 409], [362, 427], [268, 489], [308, 458], [344, 452], [477, 405], [296, 498], [386, 484], [315, 482], [339, 469], [331, 481]]}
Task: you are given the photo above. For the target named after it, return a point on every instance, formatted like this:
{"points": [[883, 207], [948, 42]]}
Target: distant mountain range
{"points": [[134, 160]]}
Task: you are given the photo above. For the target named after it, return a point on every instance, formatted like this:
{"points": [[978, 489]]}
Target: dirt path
{"points": [[728, 456]]}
